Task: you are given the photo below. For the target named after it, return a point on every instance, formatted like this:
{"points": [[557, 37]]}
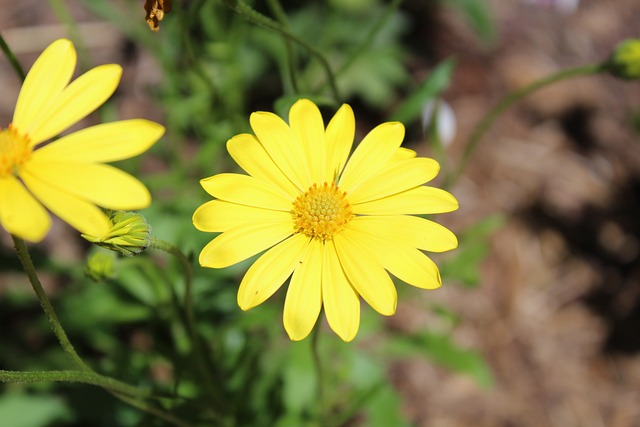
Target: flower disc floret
{"points": [[14, 151], [321, 212]]}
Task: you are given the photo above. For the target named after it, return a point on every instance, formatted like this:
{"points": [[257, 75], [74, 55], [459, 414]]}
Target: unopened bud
{"points": [[625, 60], [129, 234], [100, 266]]}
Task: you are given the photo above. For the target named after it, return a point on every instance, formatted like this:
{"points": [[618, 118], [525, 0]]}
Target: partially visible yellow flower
{"points": [[68, 176], [335, 224]]}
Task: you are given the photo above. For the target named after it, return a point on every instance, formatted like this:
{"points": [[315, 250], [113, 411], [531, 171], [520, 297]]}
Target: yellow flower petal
{"points": [[409, 230], [308, 128], [269, 272], [339, 136], [251, 156], [20, 214], [397, 177], [371, 155], [246, 190], [420, 200], [243, 242], [276, 137], [340, 300], [403, 154], [103, 143], [46, 79], [218, 216], [101, 184], [80, 214], [304, 295], [365, 273], [76, 101], [400, 259]]}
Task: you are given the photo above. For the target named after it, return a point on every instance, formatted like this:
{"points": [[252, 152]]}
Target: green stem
{"points": [[251, 15], [509, 100], [64, 16], [92, 378], [123, 391], [188, 278], [368, 40], [12, 58], [27, 264], [281, 16], [189, 312], [143, 406], [317, 361]]}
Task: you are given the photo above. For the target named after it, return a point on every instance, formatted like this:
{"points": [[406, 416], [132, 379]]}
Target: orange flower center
{"points": [[321, 212], [14, 151]]}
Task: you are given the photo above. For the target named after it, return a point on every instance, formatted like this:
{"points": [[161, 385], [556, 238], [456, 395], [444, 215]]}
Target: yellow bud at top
{"points": [[625, 60]]}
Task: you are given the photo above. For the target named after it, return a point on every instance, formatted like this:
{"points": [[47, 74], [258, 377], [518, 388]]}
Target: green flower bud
{"points": [[129, 235], [100, 266], [625, 60]]}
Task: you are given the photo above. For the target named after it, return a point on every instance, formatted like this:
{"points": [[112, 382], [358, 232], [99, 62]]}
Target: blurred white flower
{"points": [[439, 113]]}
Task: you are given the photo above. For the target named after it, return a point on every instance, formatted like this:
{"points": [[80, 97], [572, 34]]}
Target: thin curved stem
{"points": [[61, 11], [128, 393], [368, 40], [281, 16], [251, 15], [12, 58], [143, 406], [92, 378], [52, 317], [189, 313], [317, 361], [188, 278], [122, 391], [508, 101]]}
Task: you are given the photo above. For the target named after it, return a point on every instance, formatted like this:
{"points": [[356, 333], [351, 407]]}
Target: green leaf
{"points": [[479, 16], [24, 410], [442, 350], [432, 86], [299, 376], [473, 247], [383, 409], [97, 306]]}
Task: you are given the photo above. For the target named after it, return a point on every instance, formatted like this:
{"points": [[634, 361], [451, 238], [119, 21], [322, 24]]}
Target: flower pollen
{"points": [[14, 151], [321, 212]]}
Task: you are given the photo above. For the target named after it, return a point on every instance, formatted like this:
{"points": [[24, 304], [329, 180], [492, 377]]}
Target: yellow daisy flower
{"points": [[67, 175], [335, 224]]}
